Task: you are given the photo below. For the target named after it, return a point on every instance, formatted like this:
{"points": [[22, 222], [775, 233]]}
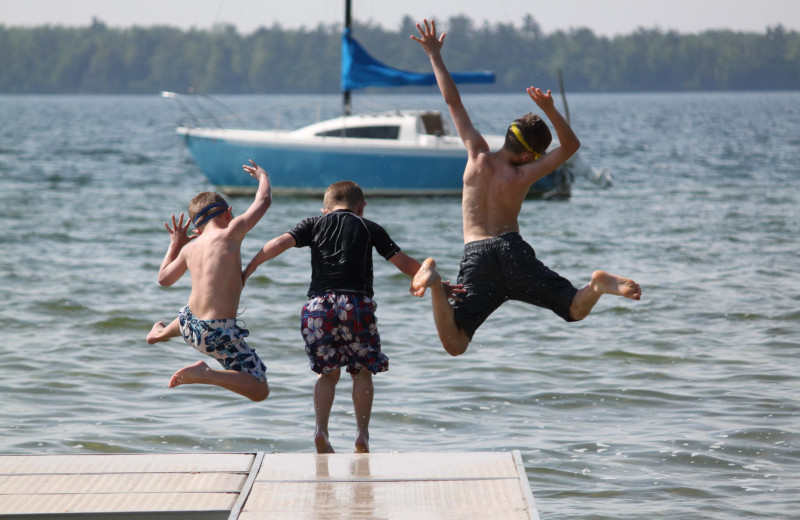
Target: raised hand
{"points": [[543, 100], [177, 233], [254, 170], [429, 42]]}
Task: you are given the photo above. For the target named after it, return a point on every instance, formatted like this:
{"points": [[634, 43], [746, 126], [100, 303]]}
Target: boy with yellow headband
{"points": [[498, 265], [208, 322]]}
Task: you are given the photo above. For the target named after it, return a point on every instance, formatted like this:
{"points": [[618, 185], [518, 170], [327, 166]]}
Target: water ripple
{"points": [[682, 405]]}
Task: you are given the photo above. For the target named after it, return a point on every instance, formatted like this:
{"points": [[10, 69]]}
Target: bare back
{"points": [[214, 262], [492, 198], [495, 183], [213, 255]]}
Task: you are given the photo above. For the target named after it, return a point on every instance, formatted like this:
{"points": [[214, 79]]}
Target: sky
{"points": [[603, 17]]}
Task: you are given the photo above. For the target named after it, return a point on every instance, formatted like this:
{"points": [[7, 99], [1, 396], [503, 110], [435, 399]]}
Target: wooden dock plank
{"points": [[121, 483], [392, 485], [393, 466], [126, 463], [416, 515], [383, 497], [112, 503], [255, 486], [131, 486], [403, 515]]}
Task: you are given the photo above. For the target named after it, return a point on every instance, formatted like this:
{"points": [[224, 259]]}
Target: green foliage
{"points": [[99, 59]]}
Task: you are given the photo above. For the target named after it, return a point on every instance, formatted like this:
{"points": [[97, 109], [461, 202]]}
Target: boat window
{"points": [[365, 132], [433, 124]]}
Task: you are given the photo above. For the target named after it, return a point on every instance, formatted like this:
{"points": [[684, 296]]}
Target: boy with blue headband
{"points": [[498, 265], [212, 255]]}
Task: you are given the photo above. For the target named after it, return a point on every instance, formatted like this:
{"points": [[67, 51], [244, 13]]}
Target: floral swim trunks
{"points": [[340, 329], [224, 341]]}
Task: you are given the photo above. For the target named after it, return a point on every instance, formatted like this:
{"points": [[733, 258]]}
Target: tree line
{"points": [[97, 59]]}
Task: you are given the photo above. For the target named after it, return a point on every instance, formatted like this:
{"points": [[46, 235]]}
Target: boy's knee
{"points": [[576, 315], [262, 394], [455, 343], [332, 376], [455, 347]]}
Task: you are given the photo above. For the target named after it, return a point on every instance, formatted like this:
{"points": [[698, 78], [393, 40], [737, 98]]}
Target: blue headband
{"points": [[202, 213]]}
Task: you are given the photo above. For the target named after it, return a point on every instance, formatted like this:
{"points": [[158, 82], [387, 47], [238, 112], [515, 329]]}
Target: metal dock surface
{"points": [[255, 486]]}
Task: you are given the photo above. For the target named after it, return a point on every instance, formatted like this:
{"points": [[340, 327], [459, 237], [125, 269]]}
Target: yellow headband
{"points": [[518, 134]]}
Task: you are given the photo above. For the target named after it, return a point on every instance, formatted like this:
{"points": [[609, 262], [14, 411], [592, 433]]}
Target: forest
{"points": [[97, 59]]}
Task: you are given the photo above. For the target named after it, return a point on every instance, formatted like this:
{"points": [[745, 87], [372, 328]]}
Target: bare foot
{"points": [[322, 443], [154, 336], [425, 277], [362, 443], [188, 375], [607, 283]]}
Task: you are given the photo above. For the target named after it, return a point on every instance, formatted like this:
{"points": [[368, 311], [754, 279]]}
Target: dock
{"points": [[260, 486]]}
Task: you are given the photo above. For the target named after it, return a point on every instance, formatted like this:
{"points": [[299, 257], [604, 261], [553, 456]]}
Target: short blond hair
{"points": [[201, 200], [346, 193]]}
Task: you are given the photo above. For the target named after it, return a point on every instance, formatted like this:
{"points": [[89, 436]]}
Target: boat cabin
{"points": [[404, 125]]}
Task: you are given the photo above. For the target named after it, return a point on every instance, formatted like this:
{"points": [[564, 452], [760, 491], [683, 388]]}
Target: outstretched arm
{"points": [[409, 267], [174, 265], [244, 223], [432, 46], [271, 249], [567, 140]]}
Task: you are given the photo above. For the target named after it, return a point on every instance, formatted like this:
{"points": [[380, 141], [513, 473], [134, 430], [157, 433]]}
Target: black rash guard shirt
{"points": [[341, 251]]}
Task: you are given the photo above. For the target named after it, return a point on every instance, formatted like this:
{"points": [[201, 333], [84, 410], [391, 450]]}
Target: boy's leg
{"points": [[163, 332], [363, 392], [454, 340], [241, 383], [324, 392], [602, 283]]}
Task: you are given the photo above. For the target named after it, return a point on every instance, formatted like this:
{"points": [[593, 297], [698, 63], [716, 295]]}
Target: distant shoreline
{"points": [[98, 59]]}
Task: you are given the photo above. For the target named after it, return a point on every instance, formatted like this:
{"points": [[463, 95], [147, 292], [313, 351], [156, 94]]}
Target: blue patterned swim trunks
{"points": [[224, 341], [340, 329]]}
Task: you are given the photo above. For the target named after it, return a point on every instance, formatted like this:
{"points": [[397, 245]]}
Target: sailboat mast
{"points": [[346, 105]]}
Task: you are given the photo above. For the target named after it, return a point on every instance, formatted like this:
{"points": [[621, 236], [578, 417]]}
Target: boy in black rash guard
{"points": [[338, 322]]}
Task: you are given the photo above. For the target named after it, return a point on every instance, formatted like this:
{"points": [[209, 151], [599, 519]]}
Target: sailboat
{"points": [[394, 153]]}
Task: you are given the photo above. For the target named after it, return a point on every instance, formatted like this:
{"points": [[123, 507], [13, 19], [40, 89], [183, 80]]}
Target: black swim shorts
{"points": [[506, 268]]}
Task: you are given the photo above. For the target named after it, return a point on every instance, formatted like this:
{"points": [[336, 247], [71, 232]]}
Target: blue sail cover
{"points": [[360, 69]]}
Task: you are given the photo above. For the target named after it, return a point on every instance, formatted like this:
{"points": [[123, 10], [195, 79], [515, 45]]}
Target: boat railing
{"points": [[197, 107]]}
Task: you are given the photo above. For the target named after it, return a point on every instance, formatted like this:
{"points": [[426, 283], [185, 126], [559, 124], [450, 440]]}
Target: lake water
{"points": [[683, 405]]}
